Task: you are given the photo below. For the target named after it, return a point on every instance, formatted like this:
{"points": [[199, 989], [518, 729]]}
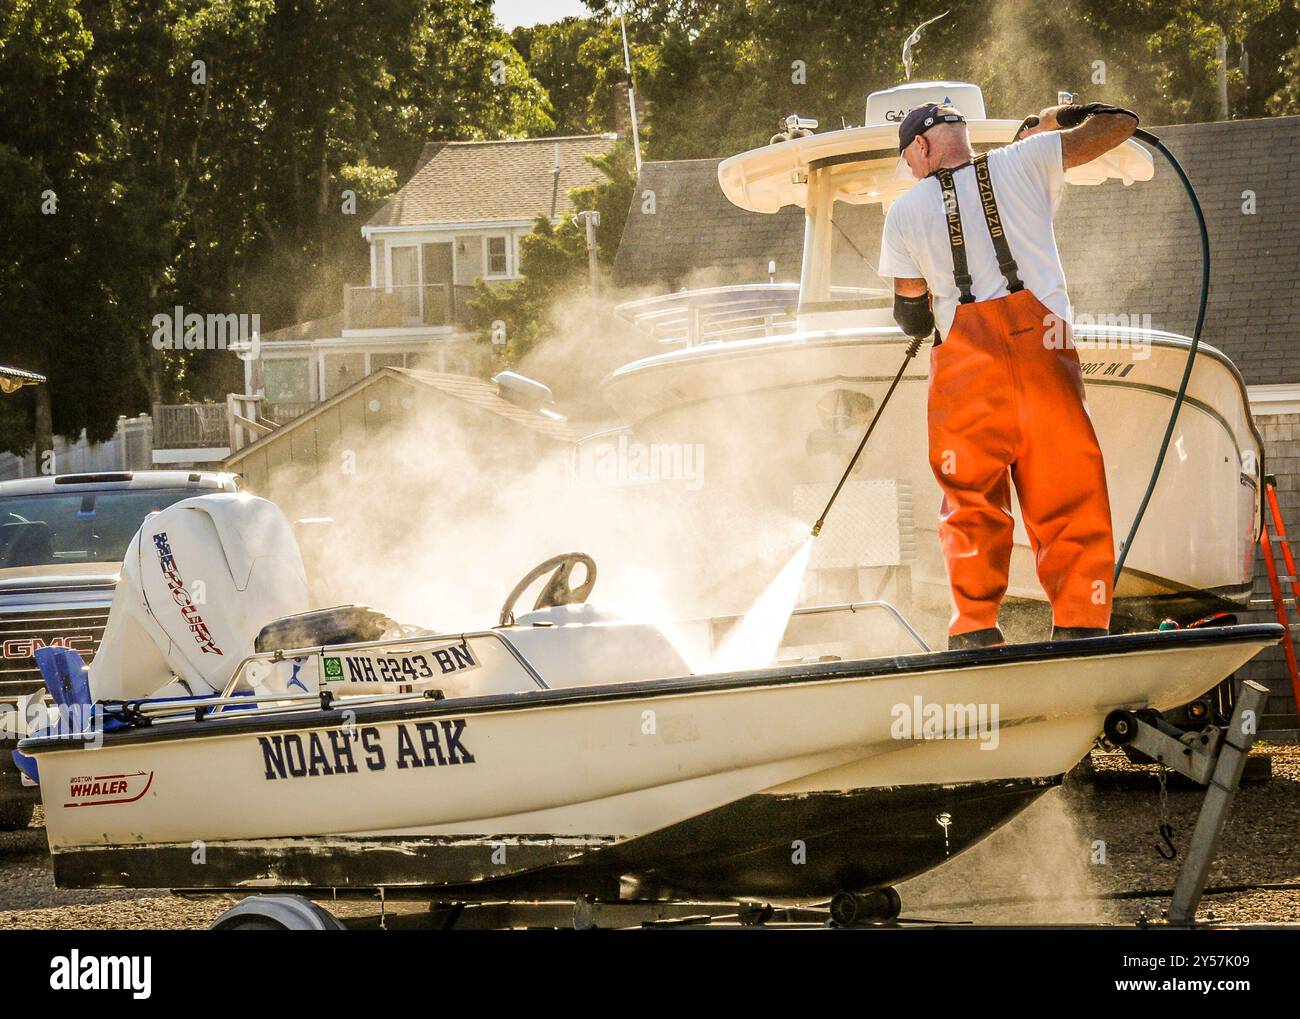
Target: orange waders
{"points": [[1006, 404]]}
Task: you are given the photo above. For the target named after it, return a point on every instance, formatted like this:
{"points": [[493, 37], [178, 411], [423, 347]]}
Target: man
{"points": [[971, 250]]}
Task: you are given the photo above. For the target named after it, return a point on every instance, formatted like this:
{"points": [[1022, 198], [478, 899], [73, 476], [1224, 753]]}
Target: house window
{"points": [[498, 257], [341, 371], [286, 380], [405, 277]]}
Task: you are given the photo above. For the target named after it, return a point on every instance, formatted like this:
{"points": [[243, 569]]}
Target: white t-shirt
{"points": [[1027, 180]]}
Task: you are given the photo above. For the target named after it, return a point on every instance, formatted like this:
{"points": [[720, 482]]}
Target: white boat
{"points": [[776, 383], [561, 753]]}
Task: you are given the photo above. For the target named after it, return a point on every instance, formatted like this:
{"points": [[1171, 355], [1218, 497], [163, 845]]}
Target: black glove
{"points": [[914, 315], [1075, 114]]}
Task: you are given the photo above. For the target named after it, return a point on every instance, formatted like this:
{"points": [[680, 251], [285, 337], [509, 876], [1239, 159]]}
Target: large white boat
{"points": [[777, 382]]}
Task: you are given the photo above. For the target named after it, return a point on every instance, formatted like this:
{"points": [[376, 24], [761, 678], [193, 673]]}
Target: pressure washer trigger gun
{"points": [[1025, 125]]}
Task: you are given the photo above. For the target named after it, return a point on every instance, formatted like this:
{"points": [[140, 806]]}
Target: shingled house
{"points": [[458, 219], [1130, 250]]}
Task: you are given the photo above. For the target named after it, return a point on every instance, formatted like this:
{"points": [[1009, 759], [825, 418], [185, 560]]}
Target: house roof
{"points": [[487, 396], [484, 396], [494, 181], [1133, 250], [13, 379], [315, 329], [698, 238]]}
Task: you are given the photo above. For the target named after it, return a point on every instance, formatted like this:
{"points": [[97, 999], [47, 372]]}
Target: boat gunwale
{"points": [[846, 335], [249, 723]]}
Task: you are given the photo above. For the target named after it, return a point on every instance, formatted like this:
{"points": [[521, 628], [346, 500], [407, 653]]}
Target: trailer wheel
{"points": [[276, 913], [250, 923], [16, 814], [1120, 727]]}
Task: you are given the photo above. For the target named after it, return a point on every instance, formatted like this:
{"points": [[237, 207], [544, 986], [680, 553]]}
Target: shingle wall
{"points": [[1137, 249]]}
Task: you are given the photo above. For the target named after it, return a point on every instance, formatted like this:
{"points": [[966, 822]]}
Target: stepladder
{"points": [[1284, 605]]}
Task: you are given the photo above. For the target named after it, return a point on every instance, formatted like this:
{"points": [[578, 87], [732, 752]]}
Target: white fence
{"points": [[130, 449]]}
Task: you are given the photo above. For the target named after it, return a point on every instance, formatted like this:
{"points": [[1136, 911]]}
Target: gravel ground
{"points": [[1066, 858], [1063, 861]]}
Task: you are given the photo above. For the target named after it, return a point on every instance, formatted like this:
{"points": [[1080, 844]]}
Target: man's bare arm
{"points": [[1096, 136], [910, 287]]}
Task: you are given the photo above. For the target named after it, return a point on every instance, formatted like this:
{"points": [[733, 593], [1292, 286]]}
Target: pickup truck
{"points": [[62, 539]]}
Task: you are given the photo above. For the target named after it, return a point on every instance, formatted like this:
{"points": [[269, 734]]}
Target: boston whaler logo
{"points": [[921, 721], [77, 972], [346, 751], [181, 595], [97, 790]]}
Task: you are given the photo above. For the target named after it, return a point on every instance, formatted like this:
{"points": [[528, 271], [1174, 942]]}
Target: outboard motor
{"points": [[199, 581]]}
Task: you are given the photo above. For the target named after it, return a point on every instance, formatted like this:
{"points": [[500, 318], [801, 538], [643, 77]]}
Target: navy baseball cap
{"points": [[922, 119]]}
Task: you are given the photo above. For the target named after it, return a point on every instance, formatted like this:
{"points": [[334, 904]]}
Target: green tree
{"points": [[1272, 50], [717, 76], [198, 151], [56, 277], [553, 53]]}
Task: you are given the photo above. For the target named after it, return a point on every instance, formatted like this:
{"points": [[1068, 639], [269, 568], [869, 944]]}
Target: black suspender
{"points": [[992, 219], [960, 270]]}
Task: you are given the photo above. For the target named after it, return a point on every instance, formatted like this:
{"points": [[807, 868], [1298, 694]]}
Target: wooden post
{"points": [[43, 428]]}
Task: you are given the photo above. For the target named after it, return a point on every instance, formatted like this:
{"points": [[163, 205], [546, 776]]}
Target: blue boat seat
{"points": [[66, 676], [68, 681]]}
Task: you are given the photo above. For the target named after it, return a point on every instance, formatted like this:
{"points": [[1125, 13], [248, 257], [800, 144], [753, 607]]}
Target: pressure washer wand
{"points": [[912, 348]]}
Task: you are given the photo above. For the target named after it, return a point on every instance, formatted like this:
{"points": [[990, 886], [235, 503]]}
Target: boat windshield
{"points": [[58, 528], [855, 246]]}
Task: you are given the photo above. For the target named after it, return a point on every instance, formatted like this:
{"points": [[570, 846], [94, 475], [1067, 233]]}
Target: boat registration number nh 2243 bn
{"points": [[398, 668]]}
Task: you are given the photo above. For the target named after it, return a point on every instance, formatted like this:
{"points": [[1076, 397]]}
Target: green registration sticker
{"points": [[333, 669]]}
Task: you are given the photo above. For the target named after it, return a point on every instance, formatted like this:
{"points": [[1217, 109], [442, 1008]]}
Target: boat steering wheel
{"points": [[558, 590]]}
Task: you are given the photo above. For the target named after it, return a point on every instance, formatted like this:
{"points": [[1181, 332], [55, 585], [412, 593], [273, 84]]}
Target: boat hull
{"points": [[811, 845], [715, 784]]}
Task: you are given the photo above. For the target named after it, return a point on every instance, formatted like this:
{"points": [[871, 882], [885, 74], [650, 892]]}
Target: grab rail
{"points": [[853, 606], [164, 706]]}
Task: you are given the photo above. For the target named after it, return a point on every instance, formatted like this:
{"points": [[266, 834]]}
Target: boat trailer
{"points": [[1214, 758]]}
